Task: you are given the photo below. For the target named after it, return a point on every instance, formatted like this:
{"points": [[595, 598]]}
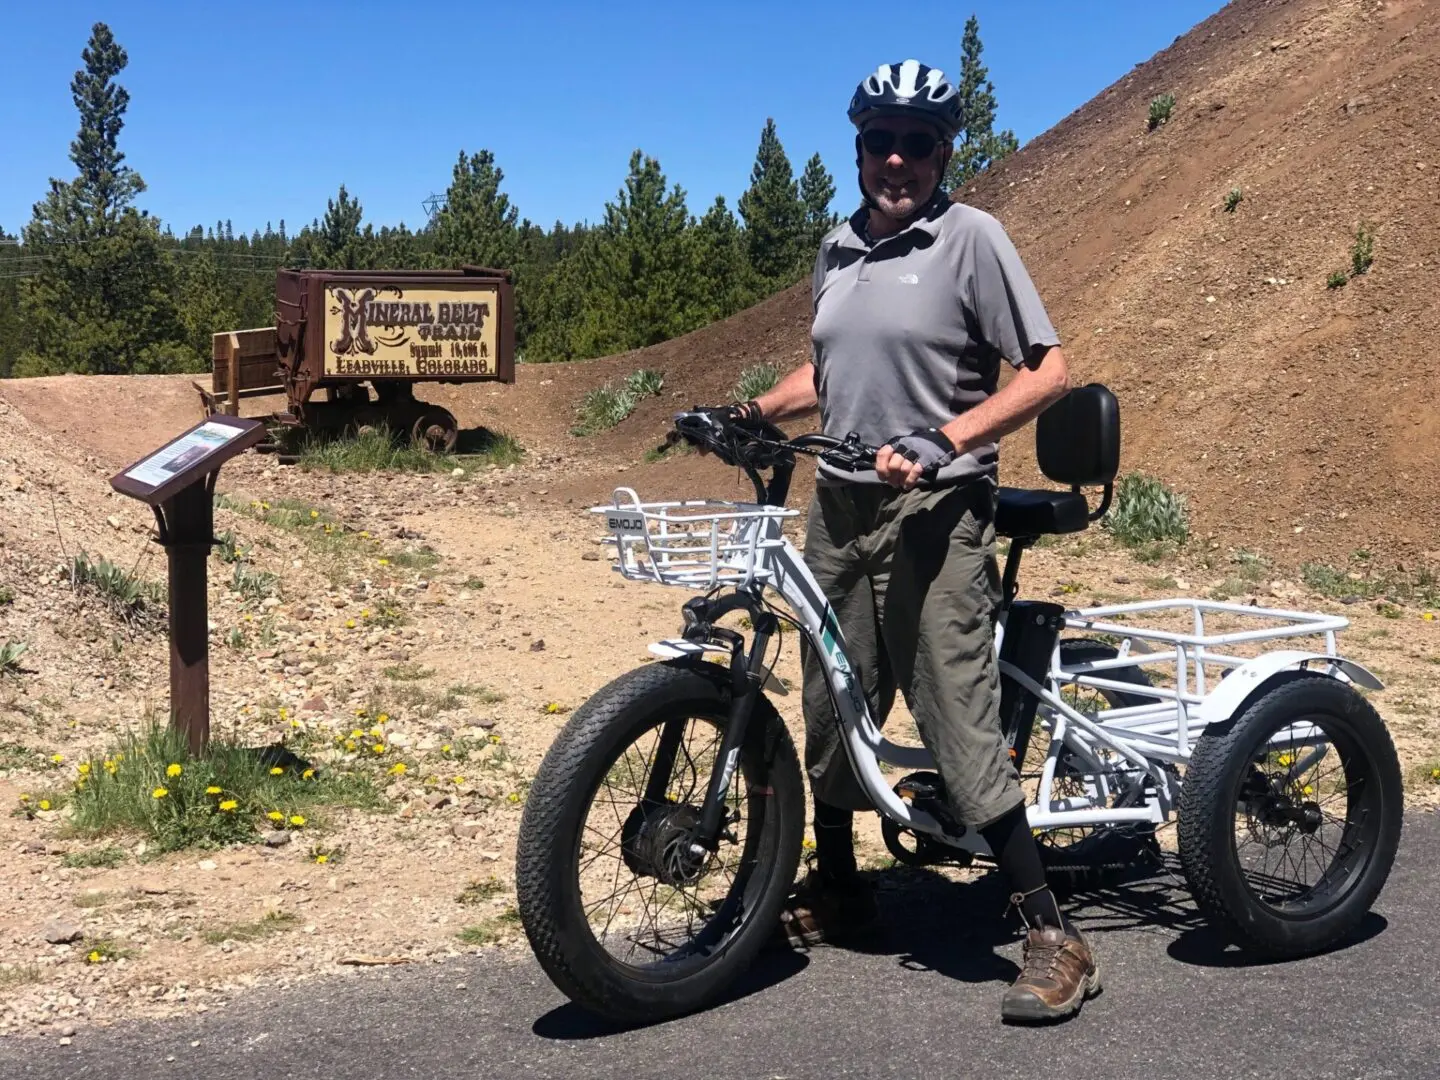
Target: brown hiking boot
{"points": [[826, 909], [1059, 973]]}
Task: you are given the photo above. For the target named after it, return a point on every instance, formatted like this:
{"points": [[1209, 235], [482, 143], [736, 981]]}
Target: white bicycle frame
{"points": [[703, 545]]}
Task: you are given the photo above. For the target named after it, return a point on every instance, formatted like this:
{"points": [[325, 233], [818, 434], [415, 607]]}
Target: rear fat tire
{"points": [[547, 887], [1207, 816]]}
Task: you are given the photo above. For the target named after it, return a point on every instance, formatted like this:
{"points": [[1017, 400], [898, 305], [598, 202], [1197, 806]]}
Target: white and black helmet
{"points": [[909, 88]]}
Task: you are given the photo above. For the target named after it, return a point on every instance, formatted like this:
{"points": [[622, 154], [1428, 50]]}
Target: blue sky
{"points": [[258, 111]]}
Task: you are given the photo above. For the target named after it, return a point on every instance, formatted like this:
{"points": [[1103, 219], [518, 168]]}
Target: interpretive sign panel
{"points": [[199, 451]]}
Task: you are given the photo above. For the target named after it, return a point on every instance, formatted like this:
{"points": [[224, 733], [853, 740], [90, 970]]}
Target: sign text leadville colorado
{"points": [[422, 335]]}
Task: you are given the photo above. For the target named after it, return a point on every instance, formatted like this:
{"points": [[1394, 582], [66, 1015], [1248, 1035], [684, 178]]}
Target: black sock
{"points": [[1012, 842], [834, 840]]}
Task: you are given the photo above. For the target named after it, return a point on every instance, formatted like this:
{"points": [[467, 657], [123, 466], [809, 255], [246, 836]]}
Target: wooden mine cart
{"points": [[366, 337]]}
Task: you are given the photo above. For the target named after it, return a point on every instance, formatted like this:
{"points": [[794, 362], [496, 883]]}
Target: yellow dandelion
{"points": [[173, 771], [276, 770], [159, 793], [379, 748], [283, 712], [355, 733], [45, 803], [807, 844], [95, 957], [1429, 616], [364, 535], [445, 749], [322, 859], [383, 718], [1435, 775], [84, 768], [57, 758], [213, 790], [275, 815], [26, 798], [314, 514], [459, 779], [349, 744], [297, 821], [494, 738], [360, 711], [514, 796], [308, 774], [349, 624], [375, 732], [228, 805], [1309, 790], [109, 765], [384, 562], [398, 768], [365, 613], [1286, 760]]}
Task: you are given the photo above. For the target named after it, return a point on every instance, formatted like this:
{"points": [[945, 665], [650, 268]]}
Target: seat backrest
{"points": [[1077, 439]]}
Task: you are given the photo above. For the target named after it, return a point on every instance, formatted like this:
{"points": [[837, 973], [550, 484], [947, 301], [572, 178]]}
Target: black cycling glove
{"points": [[744, 413], [930, 448]]}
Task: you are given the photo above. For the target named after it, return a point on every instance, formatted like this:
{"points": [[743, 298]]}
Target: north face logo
{"points": [[909, 279]]}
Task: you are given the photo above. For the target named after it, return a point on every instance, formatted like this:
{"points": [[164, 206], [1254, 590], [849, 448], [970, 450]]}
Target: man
{"points": [[916, 301]]}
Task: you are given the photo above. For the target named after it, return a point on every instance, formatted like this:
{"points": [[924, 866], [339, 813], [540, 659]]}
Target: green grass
{"points": [[1147, 513], [478, 891], [424, 559], [380, 450], [756, 380], [1337, 280], [408, 672], [253, 584], [7, 596], [273, 923], [1232, 199], [224, 798], [1362, 580], [491, 930]]}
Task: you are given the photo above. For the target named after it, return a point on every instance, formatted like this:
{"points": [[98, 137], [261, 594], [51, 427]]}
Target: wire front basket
{"points": [[694, 545]]}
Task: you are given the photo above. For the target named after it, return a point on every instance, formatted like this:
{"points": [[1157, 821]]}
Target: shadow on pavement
{"points": [[570, 1021]]}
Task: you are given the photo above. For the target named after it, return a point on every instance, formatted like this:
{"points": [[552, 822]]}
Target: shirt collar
{"points": [[928, 222]]}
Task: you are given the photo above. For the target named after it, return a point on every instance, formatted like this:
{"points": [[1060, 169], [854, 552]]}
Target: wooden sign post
{"points": [[178, 483]]}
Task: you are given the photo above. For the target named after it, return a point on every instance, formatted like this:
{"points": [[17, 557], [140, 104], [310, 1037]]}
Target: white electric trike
{"points": [[664, 828]]}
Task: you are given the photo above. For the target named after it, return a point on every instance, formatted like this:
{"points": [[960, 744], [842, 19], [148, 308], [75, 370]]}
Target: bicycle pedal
{"points": [[926, 791]]}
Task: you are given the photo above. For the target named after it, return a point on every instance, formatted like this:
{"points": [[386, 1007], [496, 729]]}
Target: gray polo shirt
{"points": [[909, 330]]}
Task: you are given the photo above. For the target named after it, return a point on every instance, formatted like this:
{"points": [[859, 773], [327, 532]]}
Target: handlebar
{"points": [[756, 447]]}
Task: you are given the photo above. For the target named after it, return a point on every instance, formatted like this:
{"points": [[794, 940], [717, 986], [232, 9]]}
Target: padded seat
{"points": [[1021, 512]]}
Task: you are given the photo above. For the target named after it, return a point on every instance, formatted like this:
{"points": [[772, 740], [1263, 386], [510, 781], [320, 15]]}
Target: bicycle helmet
{"points": [[909, 88]]}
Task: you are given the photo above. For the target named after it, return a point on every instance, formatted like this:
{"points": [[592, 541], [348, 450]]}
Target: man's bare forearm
{"points": [[792, 397]]}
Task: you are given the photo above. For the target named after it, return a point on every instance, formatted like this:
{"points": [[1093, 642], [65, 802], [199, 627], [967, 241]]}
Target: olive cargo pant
{"points": [[915, 587]]}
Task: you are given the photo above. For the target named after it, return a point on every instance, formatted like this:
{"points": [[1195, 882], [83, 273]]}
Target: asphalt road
{"points": [[925, 1003]]}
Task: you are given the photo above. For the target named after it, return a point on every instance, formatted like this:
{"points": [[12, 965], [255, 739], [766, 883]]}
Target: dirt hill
{"points": [[1297, 418]]}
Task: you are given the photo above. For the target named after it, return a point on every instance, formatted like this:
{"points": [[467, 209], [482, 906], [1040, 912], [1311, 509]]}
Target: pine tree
{"points": [[205, 303], [774, 215], [979, 146], [817, 189], [102, 301], [722, 267], [637, 273], [477, 224]]}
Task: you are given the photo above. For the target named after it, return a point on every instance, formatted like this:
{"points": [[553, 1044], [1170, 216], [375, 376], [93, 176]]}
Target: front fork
{"points": [[747, 675]]}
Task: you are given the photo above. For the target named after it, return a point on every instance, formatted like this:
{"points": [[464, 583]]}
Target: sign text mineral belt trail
{"points": [[177, 481]]}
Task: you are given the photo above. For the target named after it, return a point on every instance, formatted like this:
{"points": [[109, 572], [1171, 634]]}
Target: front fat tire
{"points": [[547, 889], [1206, 818]]}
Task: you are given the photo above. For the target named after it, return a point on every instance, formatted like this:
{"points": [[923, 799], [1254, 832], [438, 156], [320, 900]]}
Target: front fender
{"points": [[1245, 681]]}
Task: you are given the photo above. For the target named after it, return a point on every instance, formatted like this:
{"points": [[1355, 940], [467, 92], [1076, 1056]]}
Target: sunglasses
{"points": [[914, 145]]}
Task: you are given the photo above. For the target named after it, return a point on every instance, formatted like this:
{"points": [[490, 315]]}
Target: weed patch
{"points": [[756, 380], [1232, 199], [491, 930], [10, 654], [132, 599], [99, 858], [1160, 109], [1146, 512], [272, 923], [16, 975], [605, 406]]}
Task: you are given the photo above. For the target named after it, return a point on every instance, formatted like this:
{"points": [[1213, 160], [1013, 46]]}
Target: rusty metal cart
{"points": [[365, 338]]}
